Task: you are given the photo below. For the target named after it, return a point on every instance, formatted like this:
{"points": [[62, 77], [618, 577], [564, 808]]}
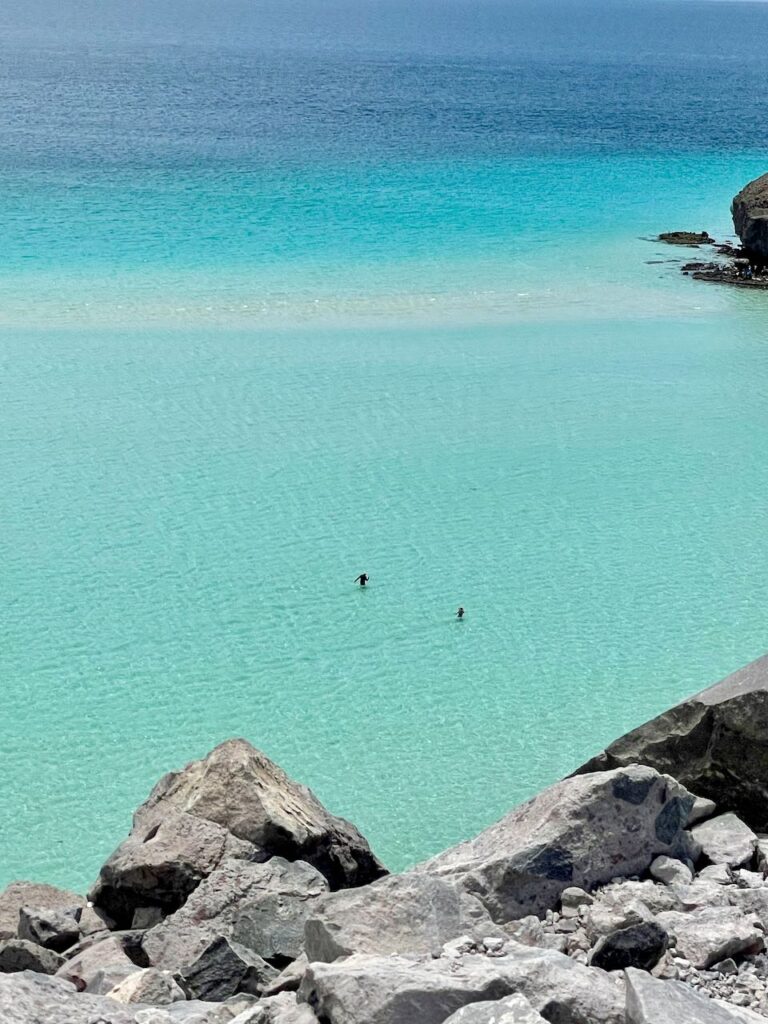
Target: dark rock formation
{"points": [[640, 945], [20, 955], [53, 929], [224, 968], [233, 803], [716, 744], [750, 217], [686, 238]]}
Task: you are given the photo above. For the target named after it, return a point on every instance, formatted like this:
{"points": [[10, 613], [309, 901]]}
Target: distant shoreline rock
{"points": [[633, 892]]}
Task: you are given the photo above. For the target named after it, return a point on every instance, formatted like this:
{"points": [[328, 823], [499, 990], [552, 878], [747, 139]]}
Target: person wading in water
{"points": [[362, 579], [460, 613]]}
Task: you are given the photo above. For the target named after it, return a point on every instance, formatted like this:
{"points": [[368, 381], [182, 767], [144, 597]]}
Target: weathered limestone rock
{"points": [[639, 945], [54, 929], [726, 840], [580, 832], [150, 986], [750, 216], [410, 913], [512, 1010], [282, 1009], [99, 966], [20, 955], [224, 968], [29, 998], [653, 896], [392, 990], [261, 906], [162, 864], [242, 794], [611, 913], [650, 1001], [701, 810], [716, 744], [706, 936], [31, 894], [671, 871], [289, 979], [719, 873]]}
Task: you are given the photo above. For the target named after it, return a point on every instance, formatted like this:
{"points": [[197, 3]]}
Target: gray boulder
{"points": [[99, 966], [150, 986], [224, 968], [281, 1009], [580, 832], [159, 866], [715, 743], [29, 998], [260, 906], [240, 791], [639, 945], [671, 871], [650, 1001], [52, 928], [392, 990], [410, 913], [20, 955], [31, 894], [726, 840], [710, 934], [750, 216], [512, 1010], [289, 979]]}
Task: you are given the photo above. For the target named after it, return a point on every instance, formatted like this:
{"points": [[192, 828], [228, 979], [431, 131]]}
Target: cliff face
{"points": [[750, 216]]}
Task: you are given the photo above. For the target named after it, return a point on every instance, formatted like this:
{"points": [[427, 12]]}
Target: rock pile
{"points": [[618, 896]]}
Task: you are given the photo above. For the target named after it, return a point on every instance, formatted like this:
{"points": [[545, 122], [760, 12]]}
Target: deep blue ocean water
{"points": [[289, 292]]}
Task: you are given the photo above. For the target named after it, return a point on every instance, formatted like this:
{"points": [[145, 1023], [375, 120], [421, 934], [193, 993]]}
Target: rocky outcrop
{"points": [[411, 913], [20, 955], [32, 894], [401, 990], [750, 216], [690, 238], [233, 803], [716, 744], [261, 906], [513, 1010], [581, 832]]}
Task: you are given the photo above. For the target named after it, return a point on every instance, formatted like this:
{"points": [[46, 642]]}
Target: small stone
{"points": [[726, 967], [719, 873], [573, 898], [726, 840], [671, 871], [458, 947], [493, 945], [749, 879], [701, 810]]}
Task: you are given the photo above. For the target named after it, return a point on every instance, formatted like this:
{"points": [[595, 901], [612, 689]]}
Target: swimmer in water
{"points": [[362, 579], [460, 613]]}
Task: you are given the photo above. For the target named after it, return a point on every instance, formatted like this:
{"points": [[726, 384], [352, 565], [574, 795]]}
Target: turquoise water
{"points": [[402, 317]]}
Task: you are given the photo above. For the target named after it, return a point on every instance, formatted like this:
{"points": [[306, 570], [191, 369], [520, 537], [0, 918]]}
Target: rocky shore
{"points": [[741, 266], [633, 892]]}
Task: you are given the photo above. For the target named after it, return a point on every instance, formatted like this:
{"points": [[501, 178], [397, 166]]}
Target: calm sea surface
{"points": [[304, 290]]}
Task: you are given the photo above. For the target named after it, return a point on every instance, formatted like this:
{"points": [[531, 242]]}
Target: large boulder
{"points": [[99, 966], [32, 894], [20, 955], [395, 990], [726, 840], [261, 906], [224, 968], [36, 999], [639, 945], [715, 743], [750, 216], [410, 913], [280, 1009], [711, 934], [583, 832], [53, 929], [242, 798], [650, 1001]]}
